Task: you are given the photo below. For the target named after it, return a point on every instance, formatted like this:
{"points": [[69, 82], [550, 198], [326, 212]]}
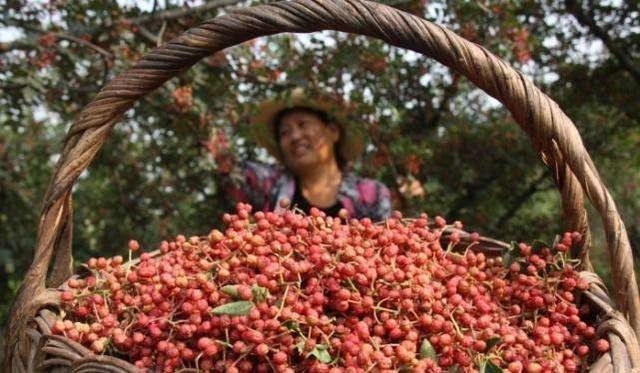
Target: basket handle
{"points": [[553, 134]]}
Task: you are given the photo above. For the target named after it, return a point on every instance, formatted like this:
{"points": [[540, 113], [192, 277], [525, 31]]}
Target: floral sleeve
{"points": [[364, 197], [376, 199], [252, 182]]}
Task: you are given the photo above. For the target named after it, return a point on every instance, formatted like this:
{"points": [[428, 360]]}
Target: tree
{"points": [[440, 144]]}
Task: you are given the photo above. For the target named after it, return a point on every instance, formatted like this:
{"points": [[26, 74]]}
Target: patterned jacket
{"points": [[263, 186]]}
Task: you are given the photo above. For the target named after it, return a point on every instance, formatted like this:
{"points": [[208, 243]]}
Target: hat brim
{"points": [[351, 141]]}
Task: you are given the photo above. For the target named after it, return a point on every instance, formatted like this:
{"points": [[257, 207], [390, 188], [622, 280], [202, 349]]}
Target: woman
{"points": [[311, 139]]}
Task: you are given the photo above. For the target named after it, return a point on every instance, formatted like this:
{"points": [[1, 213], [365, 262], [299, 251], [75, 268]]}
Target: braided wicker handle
{"points": [[554, 136]]}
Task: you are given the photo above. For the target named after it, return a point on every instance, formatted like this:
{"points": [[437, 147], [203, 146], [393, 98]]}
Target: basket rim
{"points": [[554, 136]]}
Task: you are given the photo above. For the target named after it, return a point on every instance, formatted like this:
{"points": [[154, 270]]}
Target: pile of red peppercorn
{"points": [[290, 292]]}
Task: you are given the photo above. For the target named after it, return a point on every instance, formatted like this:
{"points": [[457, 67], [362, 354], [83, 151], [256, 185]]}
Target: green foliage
{"points": [[427, 351], [438, 143], [239, 308]]}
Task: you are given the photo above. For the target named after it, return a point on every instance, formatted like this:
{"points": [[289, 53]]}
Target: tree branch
{"points": [[29, 43], [181, 12], [84, 42], [449, 92], [584, 19], [147, 34], [171, 14], [519, 201], [472, 189], [161, 33], [19, 44]]}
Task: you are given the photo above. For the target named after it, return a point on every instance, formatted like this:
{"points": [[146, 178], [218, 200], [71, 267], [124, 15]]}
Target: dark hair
{"points": [[322, 115]]}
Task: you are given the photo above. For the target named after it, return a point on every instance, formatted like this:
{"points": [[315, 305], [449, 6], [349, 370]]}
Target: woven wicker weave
{"points": [[30, 346]]}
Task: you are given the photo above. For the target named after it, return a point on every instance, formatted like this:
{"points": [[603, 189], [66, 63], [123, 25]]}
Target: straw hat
{"points": [[263, 124]]}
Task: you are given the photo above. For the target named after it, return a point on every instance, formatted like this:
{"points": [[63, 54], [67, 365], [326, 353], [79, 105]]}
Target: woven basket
{"points": [[29, 343]]}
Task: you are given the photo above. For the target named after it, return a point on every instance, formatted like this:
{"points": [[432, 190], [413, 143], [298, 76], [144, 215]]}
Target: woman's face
{"points": [[305, 140]]}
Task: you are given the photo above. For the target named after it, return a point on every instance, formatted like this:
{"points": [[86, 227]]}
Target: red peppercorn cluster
{"points": [[289, 292]]}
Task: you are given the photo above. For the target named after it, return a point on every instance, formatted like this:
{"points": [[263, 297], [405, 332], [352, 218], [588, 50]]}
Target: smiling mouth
{"points": [[300, 150]]}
